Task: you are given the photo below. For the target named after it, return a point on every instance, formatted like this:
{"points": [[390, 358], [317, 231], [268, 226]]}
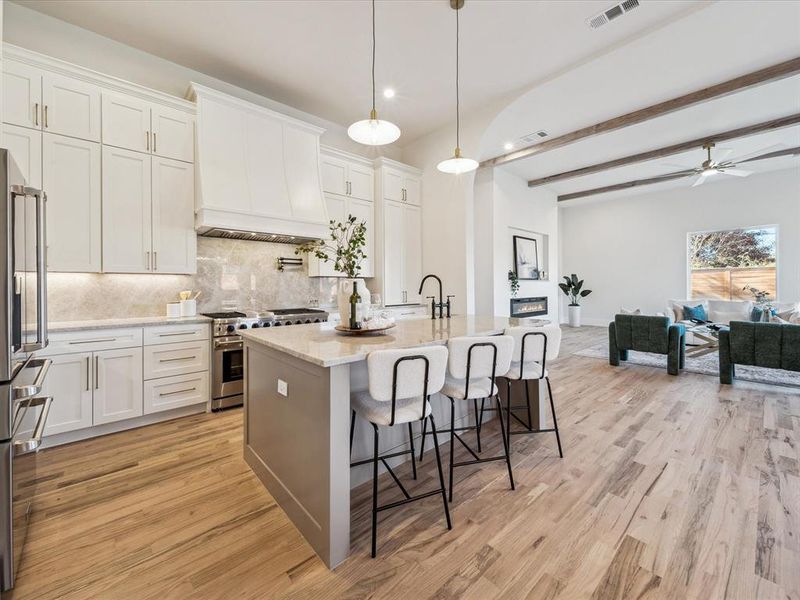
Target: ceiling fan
{"points": [[718, 165]]}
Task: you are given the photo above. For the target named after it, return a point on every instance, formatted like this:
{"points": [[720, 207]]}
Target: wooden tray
{"points": [[347, 331]]}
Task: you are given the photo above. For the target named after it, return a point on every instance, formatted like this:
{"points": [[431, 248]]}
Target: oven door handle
{"points": [[228, 346], [32, 444]]}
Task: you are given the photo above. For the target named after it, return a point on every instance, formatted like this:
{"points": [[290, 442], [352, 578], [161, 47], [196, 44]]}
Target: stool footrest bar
{"points": [[410, 499]]}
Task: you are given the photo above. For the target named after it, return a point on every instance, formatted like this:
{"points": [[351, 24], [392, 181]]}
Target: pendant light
{"points": [[373, 131], [457, 164]]}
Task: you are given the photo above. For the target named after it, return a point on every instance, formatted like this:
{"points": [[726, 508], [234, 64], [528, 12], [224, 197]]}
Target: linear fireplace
{"points": [[529, 307]]}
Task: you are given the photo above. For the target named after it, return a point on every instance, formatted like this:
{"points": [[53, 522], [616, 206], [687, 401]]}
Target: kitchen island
{"points": [[297, 415]]}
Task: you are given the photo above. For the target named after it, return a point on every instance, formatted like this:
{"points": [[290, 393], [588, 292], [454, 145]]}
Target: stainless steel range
{"points": [[227, 368]]}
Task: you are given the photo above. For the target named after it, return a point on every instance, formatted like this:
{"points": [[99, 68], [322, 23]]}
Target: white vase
{"points": [[343, 297], [574, 316]]}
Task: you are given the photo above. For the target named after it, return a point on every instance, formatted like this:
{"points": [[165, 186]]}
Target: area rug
{"points": [[705, 365]]}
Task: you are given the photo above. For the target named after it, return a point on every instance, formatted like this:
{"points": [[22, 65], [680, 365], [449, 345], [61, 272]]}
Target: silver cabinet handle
{"points": [[147, 260], [155, 260], [96, 372], [87, 372], [154, 141], [94, 341], [45, 116], [147, 140], [32, 444], [191, 389], [36, 114], [176, 359], [177, 333], [26, 391]]}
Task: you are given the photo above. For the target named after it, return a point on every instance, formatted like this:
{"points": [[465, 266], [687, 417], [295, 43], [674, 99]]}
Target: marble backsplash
{"points": [[230, 274]]}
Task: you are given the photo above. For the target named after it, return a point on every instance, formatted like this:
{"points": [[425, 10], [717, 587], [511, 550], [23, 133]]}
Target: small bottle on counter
{"points": [[355, 305]]}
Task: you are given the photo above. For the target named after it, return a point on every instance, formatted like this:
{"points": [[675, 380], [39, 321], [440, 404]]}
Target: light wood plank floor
{"points": [[671, 487]]}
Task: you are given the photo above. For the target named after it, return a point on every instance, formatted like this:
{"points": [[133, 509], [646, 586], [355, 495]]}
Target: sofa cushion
{"points": [[626, 311], [676, 306], [695, 313], [725, 311]]}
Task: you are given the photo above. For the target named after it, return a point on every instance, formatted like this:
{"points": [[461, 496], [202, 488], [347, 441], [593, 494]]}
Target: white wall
{"points": [[38, 32], [632, 251]]}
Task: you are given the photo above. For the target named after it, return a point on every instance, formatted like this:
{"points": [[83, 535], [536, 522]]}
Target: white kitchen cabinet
{"points": [[346, 176], [362, 181], [127, 217], [22, 94], [181, 358], [71, 107], [412, 189], [392, 184], [334, 175], [25, 146], [173, 392], [400, 182], [118, 385], [126, 122], [173, 235], [173, 133], [71, 178], [364, 210], [69, 383], [339, 207], [402, 230]]}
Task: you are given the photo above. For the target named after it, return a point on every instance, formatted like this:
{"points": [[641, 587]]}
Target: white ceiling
{"points": [[314, 55]]}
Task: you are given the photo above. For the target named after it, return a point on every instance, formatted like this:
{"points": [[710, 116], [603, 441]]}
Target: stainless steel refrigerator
{"points": [[23, 331]]}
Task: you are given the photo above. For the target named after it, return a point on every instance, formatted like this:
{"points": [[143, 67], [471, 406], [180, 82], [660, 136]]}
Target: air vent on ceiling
{"points": [[236, 234], [612, 13], [534, 137]]}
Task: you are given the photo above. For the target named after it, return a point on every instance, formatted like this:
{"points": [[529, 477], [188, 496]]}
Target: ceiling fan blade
{"points": [[736, 172], [759, 153], [720, 154], [701, 179]]}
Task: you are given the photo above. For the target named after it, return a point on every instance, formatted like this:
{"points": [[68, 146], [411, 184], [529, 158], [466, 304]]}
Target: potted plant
{"points": [[573, 289], [513, 281], [346, 248]]}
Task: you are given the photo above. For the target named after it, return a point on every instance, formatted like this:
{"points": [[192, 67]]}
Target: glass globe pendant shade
{"points": [[373, 131], [458, 164]]}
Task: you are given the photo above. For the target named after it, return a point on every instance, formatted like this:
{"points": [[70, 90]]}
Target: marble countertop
{"points": [[55, 326], [320, 344]]}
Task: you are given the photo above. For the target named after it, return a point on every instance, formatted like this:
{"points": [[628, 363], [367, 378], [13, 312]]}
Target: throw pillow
{"points": [[697, 313], [779, 320], [625, 311], [787, 315], [757, 314]]}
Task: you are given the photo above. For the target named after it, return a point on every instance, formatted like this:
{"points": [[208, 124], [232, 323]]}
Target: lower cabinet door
{"points": [[117, 383], [69, 383], [173, 392]]}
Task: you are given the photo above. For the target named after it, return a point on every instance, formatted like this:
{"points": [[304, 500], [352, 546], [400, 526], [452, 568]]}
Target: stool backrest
{"points": [[481, 357], [405, 369], [534, 344]]}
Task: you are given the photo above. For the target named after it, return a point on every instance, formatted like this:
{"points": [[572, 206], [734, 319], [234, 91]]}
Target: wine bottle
{"points": [[355, 301]]}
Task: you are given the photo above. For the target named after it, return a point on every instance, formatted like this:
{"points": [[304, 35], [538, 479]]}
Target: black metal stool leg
{"points": [[441, 474], [477, 425], [413, 456], [525, 382], [508, 416], [352, 430], [375, 495], [555, 421], [452, 442], [422, 442], [506, 441]]}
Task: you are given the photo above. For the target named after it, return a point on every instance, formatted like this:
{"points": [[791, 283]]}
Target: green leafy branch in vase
{"points": [[573, 288], [346, 246]]}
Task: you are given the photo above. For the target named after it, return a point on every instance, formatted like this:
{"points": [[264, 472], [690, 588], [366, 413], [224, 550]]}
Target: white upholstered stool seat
{"points": [[380, 412], [532, 370], [479, 387]]}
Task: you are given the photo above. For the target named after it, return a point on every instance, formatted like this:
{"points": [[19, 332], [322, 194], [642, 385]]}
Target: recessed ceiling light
{"points": [[388, 93], [508, 146]]}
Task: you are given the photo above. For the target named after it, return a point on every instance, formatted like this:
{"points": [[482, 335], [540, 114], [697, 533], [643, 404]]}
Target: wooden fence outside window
{"points": [[728, 284]]}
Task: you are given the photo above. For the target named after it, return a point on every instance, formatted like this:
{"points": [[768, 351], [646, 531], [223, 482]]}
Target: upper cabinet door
{"points": [[72, 182], [126, 122], [364, 210], [393, 254], [392, 185], [22, 94], [71, 107], [362, 181], [412, 252], [301, 156], [173, 133], [127, 243], [25, 146], [334, 175], [174, 238], [413, 189]]}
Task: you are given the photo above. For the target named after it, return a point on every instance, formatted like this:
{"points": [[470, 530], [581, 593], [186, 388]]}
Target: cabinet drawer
{"points": [[173, 392], [167, 334], [165, 360], [91, 340]]}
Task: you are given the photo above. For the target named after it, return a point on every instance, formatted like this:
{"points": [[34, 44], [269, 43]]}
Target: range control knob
{"points": [[243, 326], [267, 324], [231, 328], [277, 324], [255, 326]]}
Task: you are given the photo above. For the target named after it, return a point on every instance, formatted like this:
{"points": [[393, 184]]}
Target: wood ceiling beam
{"points": [[662, 178], [737, 84], [722, 136]]}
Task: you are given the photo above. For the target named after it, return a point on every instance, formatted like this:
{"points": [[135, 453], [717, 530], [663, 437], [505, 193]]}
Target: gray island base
{"points": [[297, 416]]}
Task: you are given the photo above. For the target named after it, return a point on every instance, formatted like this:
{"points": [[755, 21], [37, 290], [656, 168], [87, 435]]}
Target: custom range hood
{"points": [[257, 172]]}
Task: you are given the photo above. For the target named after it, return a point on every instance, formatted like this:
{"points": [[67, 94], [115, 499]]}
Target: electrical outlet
{"points": [[283, 387]]}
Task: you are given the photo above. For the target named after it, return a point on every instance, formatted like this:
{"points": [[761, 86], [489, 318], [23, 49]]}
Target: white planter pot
{"points": [[343, 297], [574, 316]]}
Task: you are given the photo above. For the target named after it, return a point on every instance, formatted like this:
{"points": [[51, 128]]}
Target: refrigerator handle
{"points": [[41, 271]]}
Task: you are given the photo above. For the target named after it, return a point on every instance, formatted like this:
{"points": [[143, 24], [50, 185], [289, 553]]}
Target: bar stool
{"points": [[533, 346], [400, 385], [473, 366]]}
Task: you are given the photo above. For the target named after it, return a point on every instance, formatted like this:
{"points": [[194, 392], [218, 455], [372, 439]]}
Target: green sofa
{"points": [[647, 334], [767, 345]]}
